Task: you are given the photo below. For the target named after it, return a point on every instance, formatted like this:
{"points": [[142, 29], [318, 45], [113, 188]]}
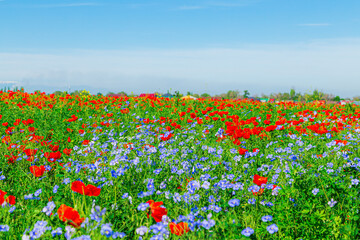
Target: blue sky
{"points": [[200, 46]]}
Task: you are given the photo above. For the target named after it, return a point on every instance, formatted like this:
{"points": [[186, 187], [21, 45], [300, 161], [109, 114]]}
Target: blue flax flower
{"points": [[267, 218], [4, 228], [315, 191], [106, 230], [247, 232], [143, 206], [234, 202], [272, 228]]}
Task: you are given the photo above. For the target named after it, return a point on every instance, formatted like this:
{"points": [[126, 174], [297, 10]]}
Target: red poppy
{"points": [[242, 151], [27, 122], [11, 200], [179, 229], [2, 193], [157, 212], [259, 193], [89, 190], [54, 148], [69, 215], [6, 140], [85, 142], [67, 151], [258, 180], [37, 171], [52, 156], [30, 152]]}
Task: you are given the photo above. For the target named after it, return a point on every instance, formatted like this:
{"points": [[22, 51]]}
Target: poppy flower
{"points": [[242, 151], [89, 190], [37, 171], [52, 156], [69, 215], [67, 151], [258, 180], [259, 193], [85, 142], [10, 199], [2, 193], [179, 229], [157, 212], [30, 152]]}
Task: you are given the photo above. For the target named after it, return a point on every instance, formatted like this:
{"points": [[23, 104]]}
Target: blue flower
{"points": [[272, 228], [217, 209], [157, 237], [212, 199], [66, 181], [118, 234], [83, 237], [12, 209], [57, 231], [97, 213], [208, 223], [267, 218], [247, 232], [143, 206], [159, 228], [49, 208], [4, 228], [142, 230], [55, 188], [234, 202], [332, 203], [315, 191], [252, 201], [36, 233], [106, 230]]}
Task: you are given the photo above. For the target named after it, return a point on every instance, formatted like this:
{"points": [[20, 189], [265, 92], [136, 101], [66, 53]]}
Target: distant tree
{"points": [[205, 95], [99, 94], [317, 95], [293, 95], [337, 99], [122, 93], [246, 94], [196, 95], [178, 94], [189, 93], [57, 93], [110, 93], [75, 93], [264, 96], [232, 94]]}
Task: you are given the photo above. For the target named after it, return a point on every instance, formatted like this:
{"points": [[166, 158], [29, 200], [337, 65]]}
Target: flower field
{"points": [[94, 167]]}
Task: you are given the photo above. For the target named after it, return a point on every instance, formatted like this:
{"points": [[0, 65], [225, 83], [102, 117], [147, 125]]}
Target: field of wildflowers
{"points": [[94, 167]]}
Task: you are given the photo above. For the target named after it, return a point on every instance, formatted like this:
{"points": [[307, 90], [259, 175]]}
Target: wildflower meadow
{"points": [[96, 167]]}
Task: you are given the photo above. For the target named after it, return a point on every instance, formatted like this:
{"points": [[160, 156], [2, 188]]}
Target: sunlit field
{"points": [[95, 167]]}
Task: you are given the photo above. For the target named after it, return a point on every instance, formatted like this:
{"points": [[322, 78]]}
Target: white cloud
{"points": [[328, 65]]}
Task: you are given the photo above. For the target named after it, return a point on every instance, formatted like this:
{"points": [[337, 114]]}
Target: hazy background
{"points": [[263, 46]]}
